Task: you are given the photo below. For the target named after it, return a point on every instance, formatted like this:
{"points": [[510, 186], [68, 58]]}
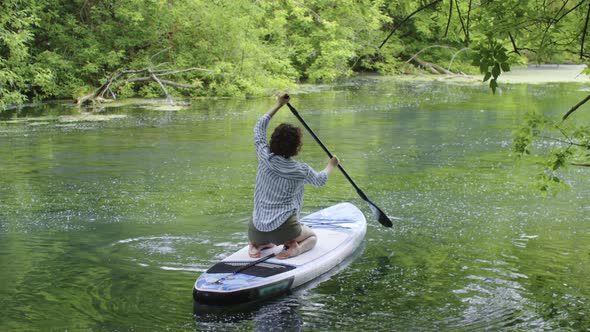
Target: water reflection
{"points": [[275, 315], [494, 297]]}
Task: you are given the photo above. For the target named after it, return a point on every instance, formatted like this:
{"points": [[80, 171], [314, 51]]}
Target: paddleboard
{"points": [[239, 279]]}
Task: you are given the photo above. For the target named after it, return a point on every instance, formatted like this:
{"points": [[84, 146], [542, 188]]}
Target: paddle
{"points": [[381, 217]]}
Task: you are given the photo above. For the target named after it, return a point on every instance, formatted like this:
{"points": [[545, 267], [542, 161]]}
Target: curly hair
{"points": [[286, 140]]}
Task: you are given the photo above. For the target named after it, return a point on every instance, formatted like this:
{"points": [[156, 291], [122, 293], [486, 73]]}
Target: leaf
{"points": [[493, 85], [496, 71], [501, 56], [487, 76], [505, 66], [483, 67]]}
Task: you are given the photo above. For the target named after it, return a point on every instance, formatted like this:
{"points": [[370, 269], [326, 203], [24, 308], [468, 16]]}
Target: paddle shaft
{"points": [[317, 139], [381, 216]]}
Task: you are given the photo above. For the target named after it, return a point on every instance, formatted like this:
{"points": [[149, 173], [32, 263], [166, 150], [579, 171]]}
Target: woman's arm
{"points": [[332, 163], [260, 128]]}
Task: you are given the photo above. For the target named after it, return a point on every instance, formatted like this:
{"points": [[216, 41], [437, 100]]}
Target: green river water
{"points": [[107, 220]]}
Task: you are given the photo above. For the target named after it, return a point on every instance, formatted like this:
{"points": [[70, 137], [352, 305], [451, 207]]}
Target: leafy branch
{"points": [[492, 60], [573, 148]]}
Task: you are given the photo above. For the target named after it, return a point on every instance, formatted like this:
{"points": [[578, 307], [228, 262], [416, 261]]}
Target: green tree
{"points": [[324, 37], [19, 77]]}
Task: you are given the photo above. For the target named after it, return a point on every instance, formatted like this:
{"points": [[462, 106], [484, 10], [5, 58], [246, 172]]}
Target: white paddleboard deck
{"points": [[340, 230]]}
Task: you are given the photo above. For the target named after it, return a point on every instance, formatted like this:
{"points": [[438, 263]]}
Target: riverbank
{"points": [[531, 74], [545, 74]]}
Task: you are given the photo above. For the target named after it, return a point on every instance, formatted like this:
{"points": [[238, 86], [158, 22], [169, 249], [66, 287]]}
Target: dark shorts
{"points": [[288, 231]]}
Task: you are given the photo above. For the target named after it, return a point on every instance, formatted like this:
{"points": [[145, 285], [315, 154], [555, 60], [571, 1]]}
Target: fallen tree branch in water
{"points": [[171, 83], [432, 67], [98, 96]]}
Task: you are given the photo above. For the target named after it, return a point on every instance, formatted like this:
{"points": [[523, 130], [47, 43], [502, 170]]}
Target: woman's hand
{"points": [[283, 98], [332, 163]]}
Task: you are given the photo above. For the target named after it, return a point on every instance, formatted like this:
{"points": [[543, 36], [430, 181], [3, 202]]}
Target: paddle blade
{"points": [[381, 217]]}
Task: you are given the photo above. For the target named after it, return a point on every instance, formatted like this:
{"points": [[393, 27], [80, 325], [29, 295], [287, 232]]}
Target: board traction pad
{"points": [[262, 269]]}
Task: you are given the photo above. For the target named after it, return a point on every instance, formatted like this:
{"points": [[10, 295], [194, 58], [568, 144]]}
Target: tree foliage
{"points": [[67, 48]]}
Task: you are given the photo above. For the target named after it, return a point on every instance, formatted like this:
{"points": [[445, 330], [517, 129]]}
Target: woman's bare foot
{"points": [[292, 250], [255, 251]]}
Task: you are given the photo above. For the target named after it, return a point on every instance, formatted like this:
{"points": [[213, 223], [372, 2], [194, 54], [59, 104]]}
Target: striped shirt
{"points": [[279, 183]]}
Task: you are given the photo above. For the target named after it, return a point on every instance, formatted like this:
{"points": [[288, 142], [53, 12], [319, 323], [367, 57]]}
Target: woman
{"points": [[278, 195]]}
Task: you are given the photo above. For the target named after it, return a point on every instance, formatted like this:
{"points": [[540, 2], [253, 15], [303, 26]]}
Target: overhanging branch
{"points": [[407, 18], [573, 109]]}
